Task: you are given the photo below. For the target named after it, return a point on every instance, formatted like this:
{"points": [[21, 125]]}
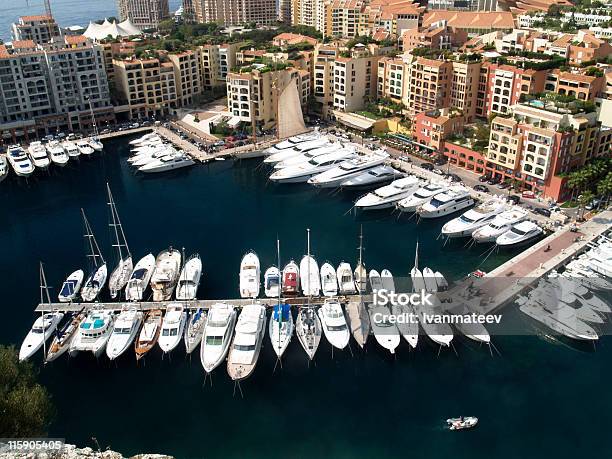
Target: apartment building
{"points": [[473, 22], [394, 16], [355, 79], [235, 12], [309, 13], [583, 87], [146, 87], [323, 77], [187, 75], [463, 88], [433, 127], [40, 29], [437, 36], [49, 88], [343, 18], [252, 97], [392, 78], [428, 84], [144, 14], [217, 61], [587, 47]]}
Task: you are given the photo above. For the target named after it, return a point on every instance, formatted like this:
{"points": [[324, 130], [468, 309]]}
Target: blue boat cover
{"points": [[282, 310]]}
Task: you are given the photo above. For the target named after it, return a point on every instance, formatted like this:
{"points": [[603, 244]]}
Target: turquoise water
{"points": [[535, 395]]}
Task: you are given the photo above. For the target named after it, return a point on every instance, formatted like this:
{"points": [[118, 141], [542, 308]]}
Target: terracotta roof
{"points": [[293, 38], [39, 17], [575, 77], [23, 44], [76, 39], [4, 52], [471, 19], [563, 41]]}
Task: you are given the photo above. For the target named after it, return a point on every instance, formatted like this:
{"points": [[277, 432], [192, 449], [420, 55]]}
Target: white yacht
{"points": [[374, 177], [297, 150], [71, 149], [361, 278], [309, 276], [38, 155], [84, 147], [194, 330], [19, 161], [4, 168], [329, 282], [57, 154], [307, 156], [333, 178], [472, 330], [165, 276], [441, 281], [386, 280], [388, 195], [95, 143], [272, 281], [292, 142], [42, 329], [415, 200], [140, 278], [418, 282], [149, 136], [71, 286], [563, 322], [429, 277], [499, 225], [148, 156], [475, 218], [385, 332], [168, 163], [308, 329], [173, 326], [573, 287], [280, 328], [127, 326], [454, 199], [409, 327], [217, 335], [334, 324], [600, 259], [189, 279], [439, 333], [304, 171], [346, 282], [521, 233], [94, 332], [249, 276], [244, 351], [290, 284]]}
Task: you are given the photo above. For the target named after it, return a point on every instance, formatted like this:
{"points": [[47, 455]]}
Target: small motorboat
{"points": [[310, 277], [71, 286], [41, 331], [521, 233], [64, 335], [189, 280], [459, 423], [249, 276], [272, 282], [329, 282], [345, 279], [291, 279], [376, 282], [361, 278], [4, 168], [173, 326], [195, 330], [149, 333]]}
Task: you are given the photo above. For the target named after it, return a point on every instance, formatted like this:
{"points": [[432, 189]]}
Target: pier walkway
{"points": [[195, 304]]}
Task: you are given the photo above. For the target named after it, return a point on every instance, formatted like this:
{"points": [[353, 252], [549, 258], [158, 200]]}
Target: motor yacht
{"points": [[358, 321], [303, 172], [95, 143], [42, 329], [249, 276], [280, 328], [94, 332], [168, 163], [173, 327], [600, 260], [583, 274], [244, 351], [439, 333], [361, 278], [334, 324], [374, 177], [4, 167], [329, 282], [422, 195], [149, 136], [309, 276], [38, 155], [409, 326], [475, 218], [165, 276], [94, 283], [297, 150], [291, 279], [189, 279], [346, 282], [499, 225], [71, 149], [140, 278], [194, 330], [292, 142], [387, 196], [153, 153], [19, 161], [521, 233], [149, 333], [453, 200], [334, 177], [472, 330], [272, 281], [574, 286], [307, 156], [56, 152], [385, 332], [84, 147], [563, 322], [308, 329], [64, 335], [218, 334], [127, 326], [71, 286]]}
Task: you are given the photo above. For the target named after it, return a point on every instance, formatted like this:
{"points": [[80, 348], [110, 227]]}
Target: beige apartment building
{"points": [[144, 14], [187, 74], [323, 79], [391, 78], [428, 83], [217, 61], [235, 12], [355, 79], [40, 29]]}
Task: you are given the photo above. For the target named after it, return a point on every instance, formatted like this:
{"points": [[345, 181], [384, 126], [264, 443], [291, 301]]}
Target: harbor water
{"points": [[364, 405]]}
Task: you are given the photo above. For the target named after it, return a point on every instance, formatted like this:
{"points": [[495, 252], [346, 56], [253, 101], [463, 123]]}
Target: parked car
{"points": [[514, 199], [542, 211], [528, 194], [593, 204], [427, 166], [481, 188], [484, 178], [454, 178], [503, 185], [494, 181]]}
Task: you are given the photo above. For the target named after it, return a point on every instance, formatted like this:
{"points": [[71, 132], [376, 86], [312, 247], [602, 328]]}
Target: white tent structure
{"points": [[101, 31]]}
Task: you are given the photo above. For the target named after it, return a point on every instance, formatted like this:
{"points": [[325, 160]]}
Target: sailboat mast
{"points": [[88, 236], [45, 288], [280, 309], [308, 260], [416, 256], [113, 224], [93, 119]]}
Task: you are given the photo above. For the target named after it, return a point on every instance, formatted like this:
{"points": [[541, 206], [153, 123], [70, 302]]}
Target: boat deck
{"points": [[193, 304]]}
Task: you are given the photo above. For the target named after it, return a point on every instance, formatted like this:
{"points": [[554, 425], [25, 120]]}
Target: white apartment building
{"points": [[41, 29]]}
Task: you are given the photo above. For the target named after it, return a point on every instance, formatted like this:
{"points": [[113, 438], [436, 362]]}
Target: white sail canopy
{"points": [[101, 31], [290, 119]]}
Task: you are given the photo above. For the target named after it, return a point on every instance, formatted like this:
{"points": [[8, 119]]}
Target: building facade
{"points": [[144, 14], [235, 12]]}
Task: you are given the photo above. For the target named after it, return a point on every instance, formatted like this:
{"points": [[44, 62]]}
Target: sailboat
{"points": [[356, 313], [64, 335], [97, 277], [308, 325], [408, 328], [121, 274], [280, 328], [94, 141], [195, 330]]}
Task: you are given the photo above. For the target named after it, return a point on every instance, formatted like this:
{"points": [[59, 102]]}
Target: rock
{"points": [[72, 452]]}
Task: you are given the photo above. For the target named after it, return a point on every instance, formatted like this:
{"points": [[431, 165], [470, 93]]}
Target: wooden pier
{"points": [[195, 304]]}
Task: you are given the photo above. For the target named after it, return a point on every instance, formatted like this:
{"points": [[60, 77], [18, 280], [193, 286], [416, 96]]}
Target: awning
{"points": [[351, 120]]}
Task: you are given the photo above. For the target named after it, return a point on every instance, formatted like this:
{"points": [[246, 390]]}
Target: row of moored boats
{"points": [[151, 153]]}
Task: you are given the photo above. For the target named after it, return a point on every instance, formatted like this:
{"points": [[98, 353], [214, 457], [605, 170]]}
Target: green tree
{"points": [[584, 199], [25, 405]]}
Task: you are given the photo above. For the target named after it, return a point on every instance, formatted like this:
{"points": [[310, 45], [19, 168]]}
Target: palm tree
{"points": [[604, 188], [583, 200]]}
